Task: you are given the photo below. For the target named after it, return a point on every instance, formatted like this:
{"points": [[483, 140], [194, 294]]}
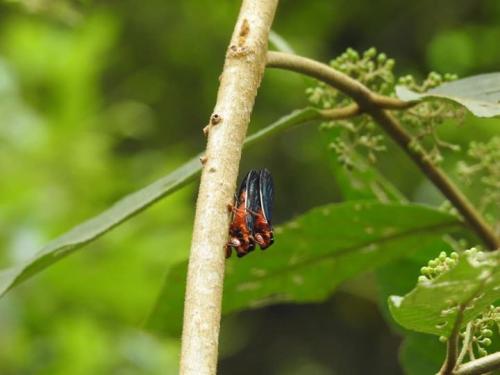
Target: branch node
{"points": [[215, 119]]}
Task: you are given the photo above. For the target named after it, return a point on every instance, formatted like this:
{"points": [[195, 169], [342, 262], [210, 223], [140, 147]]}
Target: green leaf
{"points": [[463, 292], [400, 275], [280, 43], [479, 94], [312, 255], [99, 225], [127, 207]]}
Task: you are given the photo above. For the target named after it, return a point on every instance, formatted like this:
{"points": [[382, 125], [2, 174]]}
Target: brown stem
{"points": [[243, 69], [452, 344], [374, 104]]}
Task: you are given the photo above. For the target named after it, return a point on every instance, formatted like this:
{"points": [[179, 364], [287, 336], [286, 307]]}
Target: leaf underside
{"points": [[480, 94]]}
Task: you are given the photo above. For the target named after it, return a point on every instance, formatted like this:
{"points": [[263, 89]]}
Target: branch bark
{"points": [[243, 69], [480, 366], [374, 105]]}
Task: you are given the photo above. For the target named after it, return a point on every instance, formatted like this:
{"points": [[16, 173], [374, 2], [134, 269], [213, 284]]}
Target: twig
{"points": [[465, 343], [240, 79], [375, 104]]}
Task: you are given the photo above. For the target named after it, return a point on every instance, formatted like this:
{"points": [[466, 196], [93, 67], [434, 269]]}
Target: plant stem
{"points": [[243, 70], [374, 105], [465, 343], [452, 345]]}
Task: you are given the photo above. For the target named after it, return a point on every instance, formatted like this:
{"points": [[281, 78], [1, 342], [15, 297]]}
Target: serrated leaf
{"points": [[312, 255], [464, 291], [479, 94], [128, 207]]}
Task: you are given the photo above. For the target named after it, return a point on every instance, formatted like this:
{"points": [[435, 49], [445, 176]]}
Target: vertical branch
{"points": [[452, 345], [243, 69]]}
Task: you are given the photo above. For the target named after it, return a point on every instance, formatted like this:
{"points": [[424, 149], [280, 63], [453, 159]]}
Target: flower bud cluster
{"points": [[360, 134], [483, 329], [437, 266]]}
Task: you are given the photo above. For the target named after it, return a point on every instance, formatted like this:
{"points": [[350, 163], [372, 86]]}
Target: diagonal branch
{"points": [[479, 366], [374, 105]]}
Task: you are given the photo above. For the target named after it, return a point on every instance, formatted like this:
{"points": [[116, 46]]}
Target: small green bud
{"points": [[352, 54], [440, 269], [482, 352], [370, 53], [471, 251], [435, 76], [443, 338], [422, 279], [432, 263], [381, 58], [450, 77], [486, 341], [390, 64], [487, 332], [454, 255], [450, 262], [442, 255], [425, 270]]}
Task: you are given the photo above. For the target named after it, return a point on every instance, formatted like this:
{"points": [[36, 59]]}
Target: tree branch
{"points": [[243, 69], [374, 105], [480, 366]]}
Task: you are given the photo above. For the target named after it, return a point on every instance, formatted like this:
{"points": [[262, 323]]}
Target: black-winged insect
{"points": [[252, 209], [241, 227]]}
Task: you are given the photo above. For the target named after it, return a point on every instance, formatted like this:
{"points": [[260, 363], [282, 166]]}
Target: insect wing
{"points": [[249, 197], [253, 196], [266, 193]]}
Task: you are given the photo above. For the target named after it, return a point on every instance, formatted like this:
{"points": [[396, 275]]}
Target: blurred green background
{"points": [[98, 99]]}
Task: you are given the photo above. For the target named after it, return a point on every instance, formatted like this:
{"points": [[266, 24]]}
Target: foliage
{"points": [[451, 288], [98, 100], [292, 270], [375, 71]]}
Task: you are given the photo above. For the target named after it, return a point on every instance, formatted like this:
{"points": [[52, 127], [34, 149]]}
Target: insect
{"points": [[251, 222], [240, 229]]}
